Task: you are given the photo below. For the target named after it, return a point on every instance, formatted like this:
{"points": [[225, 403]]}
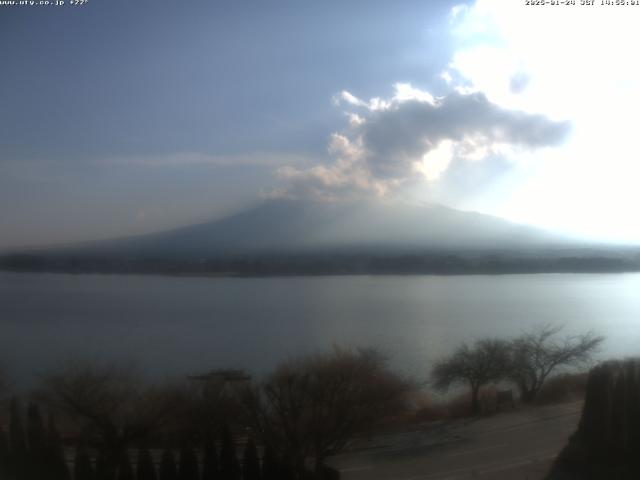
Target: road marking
{"points": [[476, 450]]}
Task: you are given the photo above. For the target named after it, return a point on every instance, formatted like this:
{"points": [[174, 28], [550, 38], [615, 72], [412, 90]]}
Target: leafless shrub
{"points": [[109, 404], [312, 407]]}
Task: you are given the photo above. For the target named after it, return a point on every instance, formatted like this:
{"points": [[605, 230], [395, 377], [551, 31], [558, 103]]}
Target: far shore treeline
{"points": [[106, 422], [340, 262]]}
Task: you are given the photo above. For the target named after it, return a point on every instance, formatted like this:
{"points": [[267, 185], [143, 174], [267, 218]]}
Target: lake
{"points": [[178, 325]]}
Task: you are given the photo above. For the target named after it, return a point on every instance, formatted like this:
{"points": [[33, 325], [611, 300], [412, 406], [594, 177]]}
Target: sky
{"points": [[121, 117]]}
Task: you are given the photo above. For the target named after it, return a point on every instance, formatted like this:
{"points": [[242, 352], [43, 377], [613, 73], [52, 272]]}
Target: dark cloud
{"points": [[387, 140], [400, 135]]}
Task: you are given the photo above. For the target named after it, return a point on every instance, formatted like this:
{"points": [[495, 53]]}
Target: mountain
{"points": [[286, 236], [286, 226]]}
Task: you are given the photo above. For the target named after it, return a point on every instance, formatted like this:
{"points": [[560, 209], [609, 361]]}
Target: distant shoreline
{"points": [[317, 265]]}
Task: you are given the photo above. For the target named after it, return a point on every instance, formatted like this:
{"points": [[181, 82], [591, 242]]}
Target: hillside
{"points": [[294, 237]]}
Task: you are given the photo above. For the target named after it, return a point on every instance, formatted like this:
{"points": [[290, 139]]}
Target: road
{"points": [[517, 445]]}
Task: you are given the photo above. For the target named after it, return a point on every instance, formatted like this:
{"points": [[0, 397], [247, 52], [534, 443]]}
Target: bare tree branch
{"points": [[312, 407], [536, 354]]}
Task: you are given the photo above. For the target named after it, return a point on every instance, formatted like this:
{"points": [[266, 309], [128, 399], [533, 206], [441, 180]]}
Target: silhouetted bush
{"points": [[250, 462], [287, 469], [270, 464], [188, 469], [168, 470], [83, 468], [57, 465], [36, 435], [311, 408], [5, 456], [113, 402], [17, 441], [146, 469], [229, 467], [125, 471], [105, 468], [210, 469]]}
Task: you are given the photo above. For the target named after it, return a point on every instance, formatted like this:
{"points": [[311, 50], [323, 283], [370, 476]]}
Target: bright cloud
{"points": [[571, 63], [519, 76], [393, 142]]}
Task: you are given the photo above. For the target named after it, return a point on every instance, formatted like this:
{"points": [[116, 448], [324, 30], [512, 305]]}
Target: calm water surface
{"points": [[176, 326]]}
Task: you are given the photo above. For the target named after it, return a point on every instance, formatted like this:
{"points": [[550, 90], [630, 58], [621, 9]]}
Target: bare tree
{"points": [[483, 362], [312, 407], [536, 354], [110, 404]]}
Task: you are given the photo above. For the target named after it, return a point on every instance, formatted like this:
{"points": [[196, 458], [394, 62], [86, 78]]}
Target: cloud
{"points": [[498, 50], [346, 176], [414, 135]]}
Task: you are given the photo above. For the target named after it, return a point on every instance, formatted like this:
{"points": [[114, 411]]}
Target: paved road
{"points": [[510, 446]]}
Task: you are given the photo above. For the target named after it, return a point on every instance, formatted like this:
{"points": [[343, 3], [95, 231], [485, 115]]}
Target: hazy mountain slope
{"points": [[293, 227], [306, 238]]}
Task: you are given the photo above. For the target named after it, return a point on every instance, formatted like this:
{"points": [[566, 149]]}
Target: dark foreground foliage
{"points": [[219, 426], [607, 441], [41, 460]]}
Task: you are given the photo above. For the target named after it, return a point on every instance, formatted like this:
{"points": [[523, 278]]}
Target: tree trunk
{"points": [[527, 395], [475, 399]]}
